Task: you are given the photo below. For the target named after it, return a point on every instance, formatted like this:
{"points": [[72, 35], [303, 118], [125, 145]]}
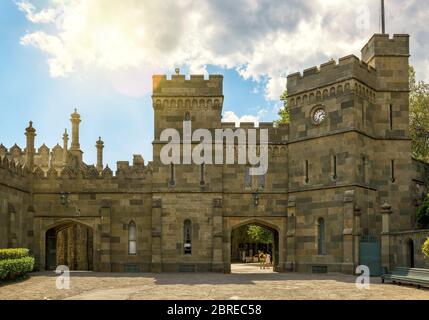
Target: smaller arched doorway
{"points": [[410, 253], [248, 242], [69, 244]]}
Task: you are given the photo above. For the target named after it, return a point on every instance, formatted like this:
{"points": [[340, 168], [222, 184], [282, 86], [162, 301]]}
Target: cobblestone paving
{"points": [[246, 282]]}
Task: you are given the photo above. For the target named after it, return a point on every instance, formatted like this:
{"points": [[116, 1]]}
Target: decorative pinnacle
{"points": [[30, 128], [75, 115], [100, 143]]}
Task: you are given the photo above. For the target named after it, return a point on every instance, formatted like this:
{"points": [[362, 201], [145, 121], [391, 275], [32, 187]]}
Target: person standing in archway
{"points": [[267, 261], [261, 260]]}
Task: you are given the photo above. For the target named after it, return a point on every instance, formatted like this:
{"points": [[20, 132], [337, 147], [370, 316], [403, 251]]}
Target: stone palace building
{"points": [[341, 188]]}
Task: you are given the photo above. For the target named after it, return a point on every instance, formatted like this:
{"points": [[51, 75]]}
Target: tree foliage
{"points": [[284, 112], [423, 213], [260, 234], [419, 117], [425, 248]]}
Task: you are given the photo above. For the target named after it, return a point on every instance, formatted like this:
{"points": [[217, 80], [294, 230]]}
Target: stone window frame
{"points": [[321, 236], [187, 237], [132, 238]]}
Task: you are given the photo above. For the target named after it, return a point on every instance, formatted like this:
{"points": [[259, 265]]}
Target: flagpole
{"points": [[383, 21]]}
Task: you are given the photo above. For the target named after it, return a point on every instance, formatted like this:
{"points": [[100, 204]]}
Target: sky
{"points": [[98, 56]]}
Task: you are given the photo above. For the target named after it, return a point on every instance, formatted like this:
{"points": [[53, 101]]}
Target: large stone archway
{"points": [[70, 244], [56, 235], [277, 225]]}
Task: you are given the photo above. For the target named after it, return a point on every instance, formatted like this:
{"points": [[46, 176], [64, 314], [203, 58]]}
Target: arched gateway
{"points": [[71, 244]]}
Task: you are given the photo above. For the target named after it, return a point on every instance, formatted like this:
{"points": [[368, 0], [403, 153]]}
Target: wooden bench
{"points": [[417, 277]]}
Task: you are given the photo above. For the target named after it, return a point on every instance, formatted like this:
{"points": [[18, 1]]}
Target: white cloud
{"points": [[230, 116], [263, 39], [43, 16]]}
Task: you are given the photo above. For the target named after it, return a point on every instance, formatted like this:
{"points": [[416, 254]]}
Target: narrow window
{"points": [[247, 179], [321, 246], [132, 238], [363, 114], [392, 170], [334, 167], [306, 172], [172, 174], [261, 182], [202, 174], [187, 237], [391, 117]]}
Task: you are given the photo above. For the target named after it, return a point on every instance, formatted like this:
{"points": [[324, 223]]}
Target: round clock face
{"points": [[319, 115]]}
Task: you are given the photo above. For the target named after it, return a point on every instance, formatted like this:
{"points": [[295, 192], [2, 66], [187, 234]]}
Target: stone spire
{"points": [[65, 145], [99, 145], [30, 133], [75, 146]]}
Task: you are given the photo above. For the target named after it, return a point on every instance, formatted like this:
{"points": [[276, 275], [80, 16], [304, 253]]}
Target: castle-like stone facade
{"points": [[341, 188]]}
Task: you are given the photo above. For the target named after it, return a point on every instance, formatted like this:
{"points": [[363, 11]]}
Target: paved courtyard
{"points": [[246, 282]]}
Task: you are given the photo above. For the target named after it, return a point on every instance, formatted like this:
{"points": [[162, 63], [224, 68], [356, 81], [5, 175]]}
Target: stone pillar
{"points": [[30, 133], [99, 145], [386, 211], [217, 260], [347, 265], [156, 265], [290, 235], [75, 145], [65, 146], [103, 238]]}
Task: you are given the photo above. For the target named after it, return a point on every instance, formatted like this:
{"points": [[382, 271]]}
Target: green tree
{"points": [[260, 234], [419, 117], [284, 112], [423, 213]]}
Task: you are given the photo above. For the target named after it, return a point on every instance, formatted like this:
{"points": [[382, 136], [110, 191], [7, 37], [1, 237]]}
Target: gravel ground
{"points": [[246, 282]]}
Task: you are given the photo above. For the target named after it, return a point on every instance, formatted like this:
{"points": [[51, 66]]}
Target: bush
{"points": [[6, 254], [423, 213], [425, 248], [12, 268]]}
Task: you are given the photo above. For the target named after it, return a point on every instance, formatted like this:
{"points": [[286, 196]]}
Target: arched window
{"points": [[172, 181], [321, 245], [202, 174], [187, 237], [132, 238]]}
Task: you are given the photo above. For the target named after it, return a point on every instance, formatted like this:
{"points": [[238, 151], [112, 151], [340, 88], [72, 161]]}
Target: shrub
{"points": [[12, 268], [423, 213], [425, 248], [6, 254]]}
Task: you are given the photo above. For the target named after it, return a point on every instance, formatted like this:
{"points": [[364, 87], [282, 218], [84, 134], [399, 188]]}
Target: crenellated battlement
{"points": [[90, 172], [276, 134], [330, 73], [195, 86], [384, 45]]}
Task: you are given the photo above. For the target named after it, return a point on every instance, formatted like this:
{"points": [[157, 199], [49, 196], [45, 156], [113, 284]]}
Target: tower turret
{"points": [[75, 145], [30, 133], [99, 145]]}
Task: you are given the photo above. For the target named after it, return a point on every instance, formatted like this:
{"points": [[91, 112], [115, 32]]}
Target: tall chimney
{"points": [[99, 145], [30, 133], [75, 146], [383, 19]]}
